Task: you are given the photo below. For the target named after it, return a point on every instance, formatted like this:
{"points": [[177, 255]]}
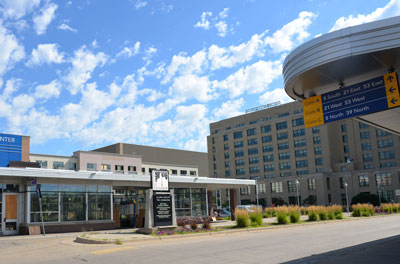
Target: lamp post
{"points": [[347, 197], [257, 191], [379, 193], [298, 197]]}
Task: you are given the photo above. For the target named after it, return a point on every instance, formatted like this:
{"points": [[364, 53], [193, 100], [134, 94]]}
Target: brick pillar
{"points": [[210, 203], [234, 202]]}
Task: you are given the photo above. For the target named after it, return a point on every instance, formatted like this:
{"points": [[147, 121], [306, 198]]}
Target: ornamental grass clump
{"points": [[269, 212], [322, 213], [303, 210], [312, 213], [282, 215], [362, 210], [256, 217], [337, 211], [294, 214], [242, 217]]}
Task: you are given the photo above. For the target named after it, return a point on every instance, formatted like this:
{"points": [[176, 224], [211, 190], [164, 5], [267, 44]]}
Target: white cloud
{"points": [[44, 19], [222, 28], [149, 52], [140, 4], [65, 27], [191, 86], [389, 10], [83, 64], [45, 53], [275, 95], [252, 79], [153, 95], [204, 23], [129, 51], [47, 91], [291, 34], [229, 109], [10, 49], [15, 9], [224, 13]]}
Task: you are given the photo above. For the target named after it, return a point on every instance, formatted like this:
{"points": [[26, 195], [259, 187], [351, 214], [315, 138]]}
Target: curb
{"points": [[82, 240]]}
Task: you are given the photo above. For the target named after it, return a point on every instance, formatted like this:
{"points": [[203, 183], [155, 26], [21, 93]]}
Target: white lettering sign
{"points": [[7, 139]]}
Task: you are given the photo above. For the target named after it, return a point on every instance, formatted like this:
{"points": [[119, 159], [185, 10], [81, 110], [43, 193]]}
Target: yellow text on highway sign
{"points": [[392, 89], [313, 112]]}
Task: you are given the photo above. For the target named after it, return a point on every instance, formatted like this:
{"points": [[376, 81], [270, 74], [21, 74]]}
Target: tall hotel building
{"points": [[273, 146]]}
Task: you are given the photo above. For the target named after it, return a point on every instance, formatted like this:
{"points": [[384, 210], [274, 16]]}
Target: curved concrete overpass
{"points": [[345, 57]]}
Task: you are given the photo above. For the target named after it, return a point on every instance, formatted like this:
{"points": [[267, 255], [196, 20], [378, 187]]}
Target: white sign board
{"points": [[397, 192], [160, 180]]}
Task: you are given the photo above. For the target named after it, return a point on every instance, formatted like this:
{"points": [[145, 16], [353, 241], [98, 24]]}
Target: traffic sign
{"points": [[374, 95]]}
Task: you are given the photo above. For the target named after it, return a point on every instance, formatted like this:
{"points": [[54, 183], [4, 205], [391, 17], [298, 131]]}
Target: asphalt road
{"points": [[372, 240]]}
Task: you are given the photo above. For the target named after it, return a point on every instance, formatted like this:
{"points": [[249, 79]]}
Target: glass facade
{"points": [[190, 201]]}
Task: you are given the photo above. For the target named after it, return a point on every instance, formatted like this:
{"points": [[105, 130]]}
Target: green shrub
{"points": [[242, 217], [294, 217], [362, 210], [256, 218], [312, 216], [323, 215], [281, 215]]}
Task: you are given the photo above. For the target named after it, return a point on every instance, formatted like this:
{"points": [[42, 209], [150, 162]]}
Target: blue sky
{"points": [[76, 75]]}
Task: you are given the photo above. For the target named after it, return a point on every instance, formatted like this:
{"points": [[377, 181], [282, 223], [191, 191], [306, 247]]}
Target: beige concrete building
{"points": [[274, 147]]}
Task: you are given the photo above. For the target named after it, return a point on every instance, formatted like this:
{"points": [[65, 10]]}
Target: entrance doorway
{"points": [[9, 216]]}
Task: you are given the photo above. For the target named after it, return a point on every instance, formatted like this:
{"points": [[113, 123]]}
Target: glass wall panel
{"points": [[182, 201], [73, 202], [49, 203], [198, 202]]}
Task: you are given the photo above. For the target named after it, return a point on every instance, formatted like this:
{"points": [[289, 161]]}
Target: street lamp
{"points": [[257, 191], [347, 197], [298, 197]]}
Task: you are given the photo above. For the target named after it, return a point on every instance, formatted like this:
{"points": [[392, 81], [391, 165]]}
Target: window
{"points": [[363, 180], [238, 144], [226, 138], [364, 135], [363, 126], [298, 111], [239, 162], [281, 136], [99, 202], [346, 149], [239, 153], [282, 146], [384, 155], [251, 132], [269, 176], [227, 156], [387, 196], [240, 171], [299, 132], [368, 166], [300, 143], [268, 118], [193, 173], [284, 165], [281, 125], [315, 130], [266, 129], [245, 190], [71, 165], [385, 143], [292, 186], [367, 157], [317, 140], [311, 184], [226, 146], [268, 148], [252, 141], [300, 153], [183, 172], [276, 187], [213, 148], [50, 201], [283, 114], [213, 140], [227, 164], [284, 155], [341, 182], [120, 168], [319, 170], [252, 122], [240, 125], [253, 160], [58, 165], [214, 158], [261, 188], [285, 174], [302, 172], [42, 163], [381, 133], [345, 138], [318, 162], [254, 169], [301, 163], [298, 122], [388, 164], [266, 139], [238, 134], [383, 179], [366, 146], [344, 128], [105, 167], [269, 167], [268, 158], [253, 151], [144, 170], [227, 173], [73, 202]]}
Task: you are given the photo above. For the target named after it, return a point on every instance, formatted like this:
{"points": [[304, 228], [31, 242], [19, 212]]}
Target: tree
{"points": [[366, 198]]}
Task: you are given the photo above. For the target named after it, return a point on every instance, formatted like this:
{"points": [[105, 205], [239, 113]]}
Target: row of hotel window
{"points": [[382, 179], [270, 157], [268, 118]]}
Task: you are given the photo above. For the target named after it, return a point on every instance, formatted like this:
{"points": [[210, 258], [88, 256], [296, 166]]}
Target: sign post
{"points": [[374, 95]]}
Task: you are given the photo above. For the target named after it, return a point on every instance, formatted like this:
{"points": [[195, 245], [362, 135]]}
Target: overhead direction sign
{"points": [[374, 95]]}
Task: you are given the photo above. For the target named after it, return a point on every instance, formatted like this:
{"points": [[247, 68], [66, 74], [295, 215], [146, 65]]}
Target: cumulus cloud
{"points": [[129, 51], [45, 53], [222, 28], [47, 91], [275, 95], [140, 4], [291, 34], [83, 64], [204, 23], [224, 13], [10, 49], [42, 20], [16, 9], [389, 10], [217, 21], [229, 109], [65, 27], [191, 86]]}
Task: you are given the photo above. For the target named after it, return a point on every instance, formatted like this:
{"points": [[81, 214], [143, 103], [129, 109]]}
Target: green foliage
{"points": [[312, 216], [256, 218], [323, 215], [365, 198], [362, 210], [242, 217], [294, 217], [282, 219]]}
